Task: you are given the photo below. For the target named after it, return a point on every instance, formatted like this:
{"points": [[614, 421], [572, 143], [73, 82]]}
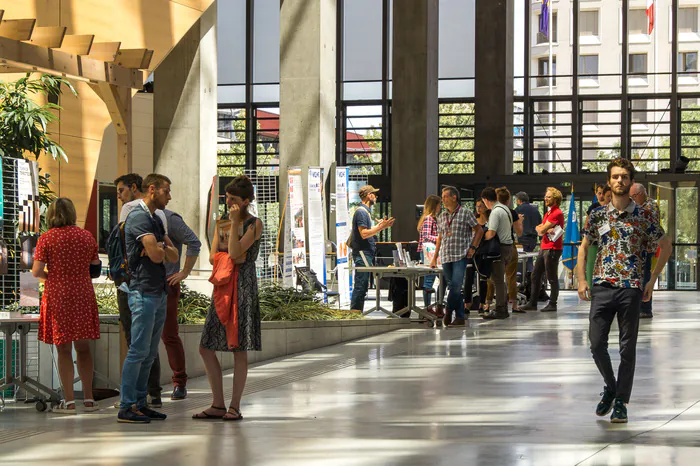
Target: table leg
{"points": [[8, 330]]}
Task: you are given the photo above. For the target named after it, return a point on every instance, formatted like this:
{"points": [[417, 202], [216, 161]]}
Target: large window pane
{"points": [[231, 39], [456, 138], [456, 39], [266, 41], [588, 23], [362, 40], [688, 20], [363, 139]]}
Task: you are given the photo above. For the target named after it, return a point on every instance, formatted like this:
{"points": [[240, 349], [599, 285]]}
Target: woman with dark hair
{"points": [[427, 233], [66, 257], [481, 212], [233, 320]]}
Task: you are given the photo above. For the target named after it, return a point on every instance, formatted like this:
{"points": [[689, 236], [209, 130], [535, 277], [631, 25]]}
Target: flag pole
{"points": [[551, 82]]}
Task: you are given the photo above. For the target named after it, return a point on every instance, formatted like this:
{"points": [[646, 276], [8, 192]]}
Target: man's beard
{"points": [[621, 190], [372, 202]]}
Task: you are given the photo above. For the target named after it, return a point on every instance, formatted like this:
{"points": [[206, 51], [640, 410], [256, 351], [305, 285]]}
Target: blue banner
{"points": [[571, 236]]}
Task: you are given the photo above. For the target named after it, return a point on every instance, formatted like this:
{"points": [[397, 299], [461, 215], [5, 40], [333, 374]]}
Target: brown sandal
{"points": [[205, 415], [236, 411]]}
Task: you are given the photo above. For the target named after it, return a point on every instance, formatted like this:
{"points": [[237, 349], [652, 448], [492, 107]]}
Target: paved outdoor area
{"points": [[516, 392]]}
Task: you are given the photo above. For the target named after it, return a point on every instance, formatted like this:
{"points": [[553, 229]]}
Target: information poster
{"points": [[28, 196], [2, 202], [296, 203], [317, 239], [287, 265], [342, 229]]}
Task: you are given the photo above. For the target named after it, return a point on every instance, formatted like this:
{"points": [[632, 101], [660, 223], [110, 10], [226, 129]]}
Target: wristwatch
{"points": [[471, 246]]}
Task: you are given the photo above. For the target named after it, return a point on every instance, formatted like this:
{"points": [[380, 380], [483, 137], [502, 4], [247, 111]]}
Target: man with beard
{"points": [[625, 234], [363, 240], [147, 247], [547, 262]]}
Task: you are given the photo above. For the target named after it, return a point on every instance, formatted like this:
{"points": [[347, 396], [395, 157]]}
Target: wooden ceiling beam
{"points": [[77, 44], [104, 51], [50, 37], [2, 13], [17, 29], [40, 59], [134, 58]]}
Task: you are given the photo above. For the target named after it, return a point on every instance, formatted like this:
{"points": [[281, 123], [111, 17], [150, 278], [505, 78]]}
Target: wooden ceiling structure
{"points": [[112, 72]]}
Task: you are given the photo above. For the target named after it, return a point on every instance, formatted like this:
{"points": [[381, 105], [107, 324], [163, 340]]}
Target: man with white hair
{"points": [[638, 193]]}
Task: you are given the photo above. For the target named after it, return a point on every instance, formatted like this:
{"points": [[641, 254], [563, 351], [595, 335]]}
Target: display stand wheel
{"points": [[41, 406]]}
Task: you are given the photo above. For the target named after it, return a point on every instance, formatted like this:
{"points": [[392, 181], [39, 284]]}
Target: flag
{"points": [[650, 15], [544, 18], [571, 236]]}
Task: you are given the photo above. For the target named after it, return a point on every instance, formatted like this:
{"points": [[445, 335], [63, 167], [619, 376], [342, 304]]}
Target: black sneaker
{"points": [[645, 315], [179, 393], [155, 402], [606, 403], [549, 308], [132, 416], [529, 307], [154, 415], [619, 415], [496, 315]]}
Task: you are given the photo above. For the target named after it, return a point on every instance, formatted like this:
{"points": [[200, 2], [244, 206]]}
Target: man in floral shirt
{"points": [[625, 234]]}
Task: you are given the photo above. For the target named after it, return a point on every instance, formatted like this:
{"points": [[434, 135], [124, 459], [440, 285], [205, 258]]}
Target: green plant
{"points": [[278, 303], [193, 306]]}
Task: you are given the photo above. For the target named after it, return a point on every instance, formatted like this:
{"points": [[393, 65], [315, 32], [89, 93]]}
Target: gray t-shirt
{"points": [[501, 222], [129, 206], [147, 276]]}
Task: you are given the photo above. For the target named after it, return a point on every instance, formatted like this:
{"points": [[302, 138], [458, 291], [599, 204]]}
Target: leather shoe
{"points": [[179, 393], [549, 308], [457, 322], [496, 315], [447, 320], [529, 307]]}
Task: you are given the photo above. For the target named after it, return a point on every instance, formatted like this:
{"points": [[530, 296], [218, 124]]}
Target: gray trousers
{"points": [[498, 276], [606, 303]]}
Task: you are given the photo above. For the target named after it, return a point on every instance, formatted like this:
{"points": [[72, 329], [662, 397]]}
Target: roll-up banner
{"points": [[317, 237], [342, 228]]}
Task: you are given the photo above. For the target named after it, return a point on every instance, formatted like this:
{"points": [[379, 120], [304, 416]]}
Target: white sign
{"points": [[28, 196], [287, 266], [317, 237], [342, 229]]}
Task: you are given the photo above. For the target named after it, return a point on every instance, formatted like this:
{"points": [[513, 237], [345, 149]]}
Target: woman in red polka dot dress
{"points": [[69, 314]]}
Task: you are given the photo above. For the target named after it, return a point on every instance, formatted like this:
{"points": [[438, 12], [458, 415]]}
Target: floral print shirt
{"points": [[624, 239]]}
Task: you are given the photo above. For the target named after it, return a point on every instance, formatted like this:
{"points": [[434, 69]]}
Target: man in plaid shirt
{"points": [[456, 229]]}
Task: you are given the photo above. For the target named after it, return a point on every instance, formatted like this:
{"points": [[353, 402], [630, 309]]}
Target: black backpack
{"points": [[116, 252]]}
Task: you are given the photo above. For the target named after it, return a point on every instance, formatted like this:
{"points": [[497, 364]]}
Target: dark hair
{"points": [[503, 195], [155, 179], [522, 196], [128, 180], [61, 213], [606, 188], [453, 192], [489, 194], [621, 163], [242, 187]]}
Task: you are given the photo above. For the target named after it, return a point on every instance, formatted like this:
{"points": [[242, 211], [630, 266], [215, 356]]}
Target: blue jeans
{"points": [[360, 283], [646, 307], [454, 277], [428, 281], [147, 319]]}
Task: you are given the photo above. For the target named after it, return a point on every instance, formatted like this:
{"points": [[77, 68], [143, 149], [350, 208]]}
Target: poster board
{"points": [[28, 196], [317, 237], [342, 228]]}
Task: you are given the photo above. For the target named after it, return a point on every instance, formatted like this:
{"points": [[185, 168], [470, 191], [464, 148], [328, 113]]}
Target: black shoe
{"points": [[133, 416], [447, 320], [496, 315], [529, 307], [549, 308], [619, 415], [645, 315], [544, 297], [458, 322], [179, 393], [606, 403], [154, 415], [155, 402]]}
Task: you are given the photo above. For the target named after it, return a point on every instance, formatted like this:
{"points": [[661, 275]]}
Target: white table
{"points": [[412, 275], [11, 322]]}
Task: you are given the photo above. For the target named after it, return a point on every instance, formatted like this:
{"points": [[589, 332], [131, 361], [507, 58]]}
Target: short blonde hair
{"points": [[556, 194], [61, 213]]}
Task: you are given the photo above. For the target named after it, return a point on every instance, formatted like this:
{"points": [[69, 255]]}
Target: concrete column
{"points": [[493, 142], [307, 86], [414, 119], [184, 122]]}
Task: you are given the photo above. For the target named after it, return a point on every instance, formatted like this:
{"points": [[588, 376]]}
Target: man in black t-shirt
{"points": [[147, 246], [364, 240]]}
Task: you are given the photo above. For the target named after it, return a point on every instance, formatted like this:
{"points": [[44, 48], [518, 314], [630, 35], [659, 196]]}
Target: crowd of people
{"points": [[151, 236], [477, 252]]}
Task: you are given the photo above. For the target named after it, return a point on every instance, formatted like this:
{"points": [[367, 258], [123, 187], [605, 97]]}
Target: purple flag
{"points": [[544, 18]]}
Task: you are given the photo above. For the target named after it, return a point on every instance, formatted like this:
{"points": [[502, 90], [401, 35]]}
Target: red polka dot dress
{"points": [[68, 305]]}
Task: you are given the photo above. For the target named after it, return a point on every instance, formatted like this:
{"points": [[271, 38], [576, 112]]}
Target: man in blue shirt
{"points": [[363, 240], [147, 247]]}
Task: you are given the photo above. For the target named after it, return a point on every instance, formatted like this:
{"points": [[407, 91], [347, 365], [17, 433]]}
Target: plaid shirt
{"points": [[428, 232], [459, 223], [624, 239]]}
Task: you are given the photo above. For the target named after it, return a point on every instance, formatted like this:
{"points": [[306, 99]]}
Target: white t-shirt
{"points": [[129, 206]]}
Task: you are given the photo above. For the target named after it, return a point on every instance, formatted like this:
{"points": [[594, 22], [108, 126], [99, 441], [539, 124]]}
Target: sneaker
{"points": [[549, 308], [619, 415], [496, 315], [457, 322], [179, 393], [606, 403], [155, 402], [447, 320], [132, 416], [645, 315], [529, 307], [153, 415]]}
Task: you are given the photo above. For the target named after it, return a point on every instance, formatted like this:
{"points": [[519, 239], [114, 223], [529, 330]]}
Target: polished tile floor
{"points": [[516, 392]]}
